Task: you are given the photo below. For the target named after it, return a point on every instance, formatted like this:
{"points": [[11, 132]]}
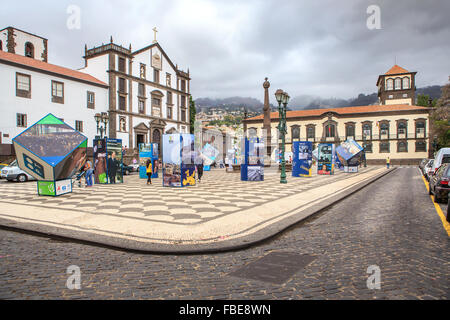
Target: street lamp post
{"points": [[101, 118], [282, 99]]}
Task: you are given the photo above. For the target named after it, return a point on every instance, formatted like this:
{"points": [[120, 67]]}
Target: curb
{"points": [[128, 245]]}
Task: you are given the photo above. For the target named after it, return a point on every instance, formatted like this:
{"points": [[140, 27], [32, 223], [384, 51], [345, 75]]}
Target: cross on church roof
{"points": [[155, 31]]}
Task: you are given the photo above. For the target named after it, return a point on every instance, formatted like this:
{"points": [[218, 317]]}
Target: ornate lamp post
{"points": [[101, 118], [282, 99]]}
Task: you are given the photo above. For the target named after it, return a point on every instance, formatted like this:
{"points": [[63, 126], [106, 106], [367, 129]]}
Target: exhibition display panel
{"points": [[349, 154], [148, 151], [178, 160], [252, 166], [325, 159], [108, 162], [302, 160], [52, 152]]}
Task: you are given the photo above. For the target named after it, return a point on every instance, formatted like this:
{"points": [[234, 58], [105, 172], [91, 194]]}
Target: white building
{"points": [[31, 88], [148, 94]]}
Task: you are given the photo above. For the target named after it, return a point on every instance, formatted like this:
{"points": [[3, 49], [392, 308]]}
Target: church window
{"points": [[384, 147], [122, 103], [121, 64], [183, 85], [141, 90], [156, 75], [122, 85]]}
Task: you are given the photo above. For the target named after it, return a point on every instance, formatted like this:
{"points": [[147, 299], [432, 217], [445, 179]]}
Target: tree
{"points": [[440, 118], [192, 113], [422, 100]]}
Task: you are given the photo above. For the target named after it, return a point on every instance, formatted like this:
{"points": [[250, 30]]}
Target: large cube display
{"points": [[252, 166], [178, 160], [326, 159], [148, 151], [302, 160], [349, 154], [52, 152]]}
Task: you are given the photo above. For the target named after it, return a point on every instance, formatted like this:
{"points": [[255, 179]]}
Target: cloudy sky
{"points": [[320, 47]]}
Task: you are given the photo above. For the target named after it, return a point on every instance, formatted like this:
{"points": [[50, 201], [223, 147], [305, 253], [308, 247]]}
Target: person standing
{"points": [[200, 168], [112, 167], [148, 165], [89, 173], [388, 162]]}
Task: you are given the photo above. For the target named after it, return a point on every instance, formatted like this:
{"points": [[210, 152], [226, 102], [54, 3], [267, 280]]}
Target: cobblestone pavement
{"points": [[392, 224]]}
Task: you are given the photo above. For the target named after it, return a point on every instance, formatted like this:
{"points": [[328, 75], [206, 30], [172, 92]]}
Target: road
{"points": [[391, 224]]}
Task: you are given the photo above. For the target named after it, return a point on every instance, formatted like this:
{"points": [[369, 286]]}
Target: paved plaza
{"points": [[221, 211], [392, 223]]}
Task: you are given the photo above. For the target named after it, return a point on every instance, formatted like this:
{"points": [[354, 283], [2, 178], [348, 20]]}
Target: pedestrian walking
{"points": [[199, 166], [388, 162], [148, 165], [89, 173]]}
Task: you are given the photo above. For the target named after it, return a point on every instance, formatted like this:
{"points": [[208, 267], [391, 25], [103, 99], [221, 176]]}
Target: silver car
{"points": [[14, 173]]}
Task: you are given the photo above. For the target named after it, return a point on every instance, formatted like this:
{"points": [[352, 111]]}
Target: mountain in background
{"points": [[302, 102]]}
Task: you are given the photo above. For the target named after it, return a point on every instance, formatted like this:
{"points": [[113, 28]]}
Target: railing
{"points": [[107, 47]]}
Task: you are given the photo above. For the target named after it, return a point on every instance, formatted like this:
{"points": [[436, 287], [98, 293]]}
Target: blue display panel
{"points": [[252, 167], [148, 151], [302, 161], [326, 159]]}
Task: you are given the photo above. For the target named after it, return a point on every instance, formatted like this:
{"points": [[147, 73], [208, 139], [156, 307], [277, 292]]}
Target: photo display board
{"points": [[178, 160], [325, 162], [148, 151], [252, 167], [302, 159], [50, 150], [108, 162]]}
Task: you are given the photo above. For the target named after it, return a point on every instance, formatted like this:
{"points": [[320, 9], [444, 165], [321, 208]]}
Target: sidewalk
{"points": [[220, 213]]}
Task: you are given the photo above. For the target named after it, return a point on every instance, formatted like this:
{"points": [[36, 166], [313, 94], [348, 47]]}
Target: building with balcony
{"points": [[399, 131]]}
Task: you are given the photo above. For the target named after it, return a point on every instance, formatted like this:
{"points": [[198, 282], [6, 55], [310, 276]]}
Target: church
{"points": [[148, 93], [394, 128]]}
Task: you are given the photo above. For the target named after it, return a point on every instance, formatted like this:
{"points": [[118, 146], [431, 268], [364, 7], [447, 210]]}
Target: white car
{"points": [[427, 169], [13, 172]]}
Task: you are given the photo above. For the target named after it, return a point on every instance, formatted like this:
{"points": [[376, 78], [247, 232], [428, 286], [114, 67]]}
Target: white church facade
{"points": [[143, 92]]}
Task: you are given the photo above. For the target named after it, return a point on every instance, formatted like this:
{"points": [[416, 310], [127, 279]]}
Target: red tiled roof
{"points": [[343, 111], [44, 66], [396, 70]]}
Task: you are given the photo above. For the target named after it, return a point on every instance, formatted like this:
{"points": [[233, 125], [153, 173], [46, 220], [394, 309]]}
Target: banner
{"points": [[325, 162], [302, 161]]}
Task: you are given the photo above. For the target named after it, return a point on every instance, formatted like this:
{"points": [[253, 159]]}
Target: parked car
{"points": [[422, 164], [427, 168], [13, 172], [439, 183], [126, 170], [442, 156], [135, 167]]}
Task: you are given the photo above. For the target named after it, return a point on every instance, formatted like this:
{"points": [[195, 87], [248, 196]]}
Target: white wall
{"points": [[40, 104], [97, 67]]}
